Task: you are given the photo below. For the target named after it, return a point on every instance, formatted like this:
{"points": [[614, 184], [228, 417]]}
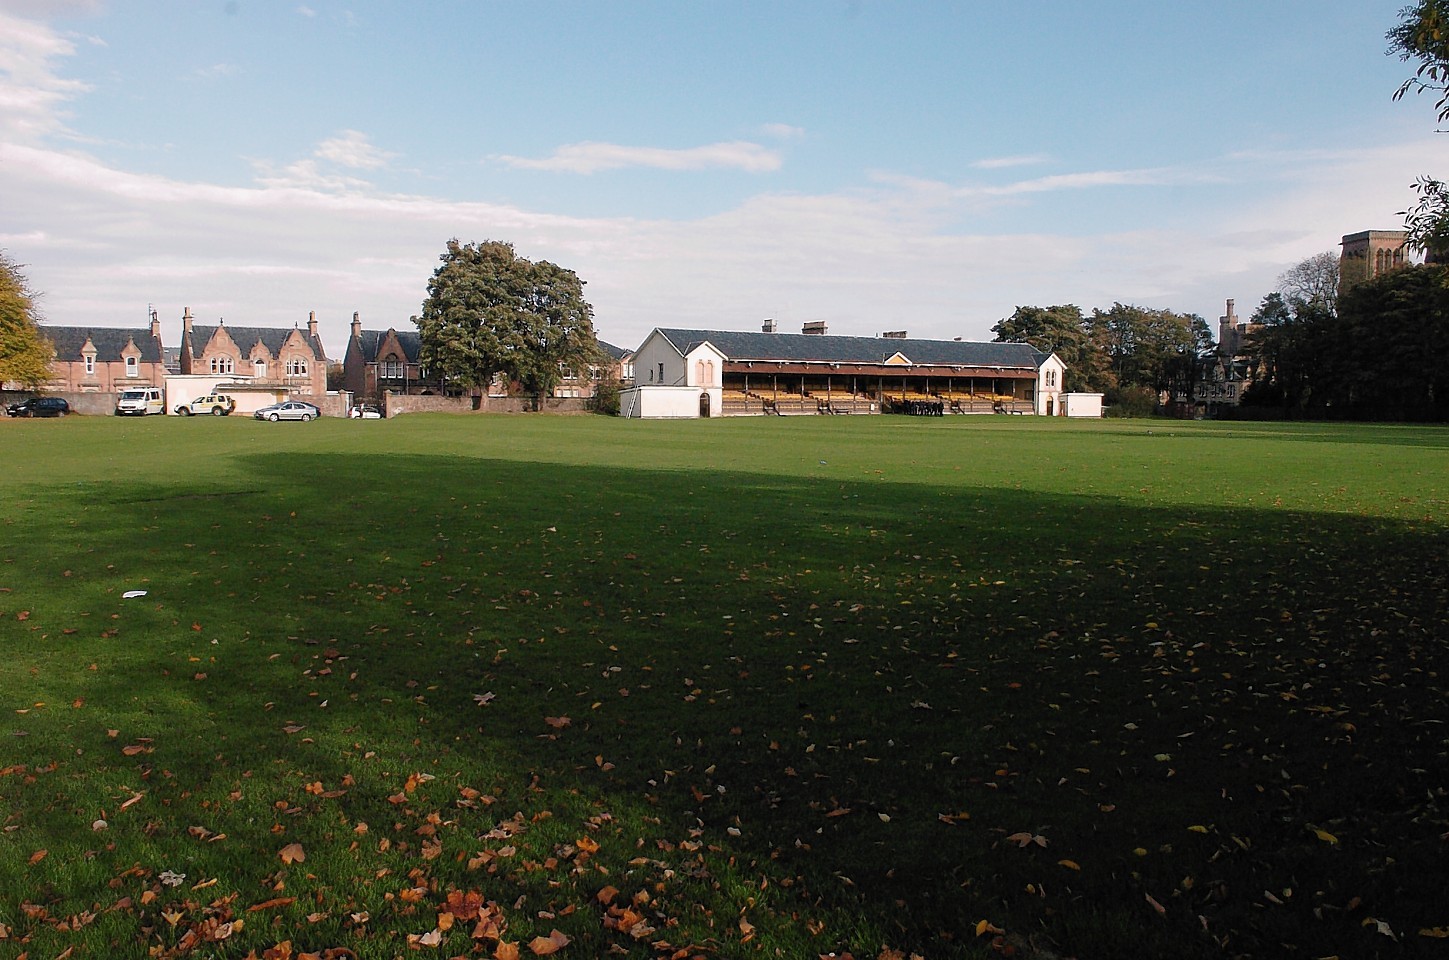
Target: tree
{"points": [[1404, 314], [1061, 330], [1146, 348], [1422, 35], [490, 311], [25, 354], [1314, 281]]}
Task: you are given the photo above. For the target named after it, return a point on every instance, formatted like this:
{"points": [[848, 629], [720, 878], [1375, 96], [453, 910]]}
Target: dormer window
{"points": [[133, 369], [297, 367], [221, 365], [259, 368], [90, 364]]}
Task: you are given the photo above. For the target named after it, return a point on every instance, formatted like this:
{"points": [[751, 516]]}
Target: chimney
{"points": [[155, 325], [894, 334], [768, 327], [186, 324], [312, 324], [356, 324], [814, 328]]}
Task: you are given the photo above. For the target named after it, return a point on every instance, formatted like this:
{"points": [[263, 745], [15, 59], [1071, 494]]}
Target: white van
{"points": [[140, 401]]}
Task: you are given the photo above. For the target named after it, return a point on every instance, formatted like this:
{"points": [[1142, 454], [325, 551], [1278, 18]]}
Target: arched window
{"points": [[297, 367], [132, 367], [221, 365]]}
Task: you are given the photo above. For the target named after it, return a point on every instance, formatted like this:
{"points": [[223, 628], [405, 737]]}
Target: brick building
{"points": [[105, 359], [268, 356]]}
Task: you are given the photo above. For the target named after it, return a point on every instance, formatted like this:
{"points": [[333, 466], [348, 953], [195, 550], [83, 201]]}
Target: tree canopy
{"points": [[25, 354], [490, 311], [1422, 36], [1128, 353], [1377, 358]]}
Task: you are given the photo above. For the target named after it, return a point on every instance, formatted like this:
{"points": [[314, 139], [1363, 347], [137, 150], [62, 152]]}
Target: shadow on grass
{"points": [[899, 709]]}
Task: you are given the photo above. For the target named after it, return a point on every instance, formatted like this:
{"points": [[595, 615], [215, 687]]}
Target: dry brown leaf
{"points": [[292, 853], [553, 943]]}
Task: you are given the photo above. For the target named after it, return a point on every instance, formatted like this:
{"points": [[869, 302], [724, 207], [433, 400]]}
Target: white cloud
{"points": [[591, 157], [1001, 163], [306, 11], [216, 71], [353, 149], [782, 131], [32, 94]]}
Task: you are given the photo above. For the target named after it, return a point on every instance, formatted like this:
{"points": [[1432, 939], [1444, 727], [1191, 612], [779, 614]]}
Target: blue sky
{"points": [[925, 166]]}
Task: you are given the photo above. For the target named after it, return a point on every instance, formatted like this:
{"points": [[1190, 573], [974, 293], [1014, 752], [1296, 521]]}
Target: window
{"points": [[390, 369], [661, 371], [259, 367], [1051, 378], [221, 365], [90, 364], [297, 367], [133, 368]]}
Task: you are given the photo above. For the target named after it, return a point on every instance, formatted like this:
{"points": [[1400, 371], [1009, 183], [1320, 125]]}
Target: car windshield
{"points": [[133, 395]]}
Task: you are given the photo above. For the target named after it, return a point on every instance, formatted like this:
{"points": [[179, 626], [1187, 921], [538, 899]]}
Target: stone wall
{"points": [[88, 404], [397, 404]]}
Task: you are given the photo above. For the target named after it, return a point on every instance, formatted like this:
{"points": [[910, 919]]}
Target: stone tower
{"points": [[1368, 254]]}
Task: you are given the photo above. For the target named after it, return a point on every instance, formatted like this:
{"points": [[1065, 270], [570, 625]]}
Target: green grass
{"points": [[787, 686]]}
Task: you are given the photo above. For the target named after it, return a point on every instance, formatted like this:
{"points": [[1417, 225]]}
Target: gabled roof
{"points": [[615, 353], [246, 337], [370, 341], [108, 341], [807, 348]]}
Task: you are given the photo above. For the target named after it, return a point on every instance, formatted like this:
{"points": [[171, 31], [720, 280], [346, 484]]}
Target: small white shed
{"points": [[1081, 404]]}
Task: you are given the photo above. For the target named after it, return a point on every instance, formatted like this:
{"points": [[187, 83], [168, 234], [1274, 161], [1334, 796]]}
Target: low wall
{"points": [[86, 404], [394, 405]]}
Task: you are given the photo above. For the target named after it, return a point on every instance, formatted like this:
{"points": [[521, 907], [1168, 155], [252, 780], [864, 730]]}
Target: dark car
{"points": [[39, 407]]}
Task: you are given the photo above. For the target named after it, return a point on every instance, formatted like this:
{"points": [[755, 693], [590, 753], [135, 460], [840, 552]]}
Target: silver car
{"points": [[291, 410]]}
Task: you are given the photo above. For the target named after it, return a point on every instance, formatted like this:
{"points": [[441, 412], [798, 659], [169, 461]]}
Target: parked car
{"points": [[365, 411], [39, 407], [216, 404], [140, 401], [291, 410]]}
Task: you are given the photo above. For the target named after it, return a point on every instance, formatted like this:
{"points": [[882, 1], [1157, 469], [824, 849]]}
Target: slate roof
{"points": [[805, 348], [108, 341], [246, 338], [370, 340], [615, 353]]}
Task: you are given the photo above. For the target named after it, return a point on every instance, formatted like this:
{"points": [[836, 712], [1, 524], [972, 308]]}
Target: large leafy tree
{"points": [[490, 311], [1404, 314], [1146, 348], [25, 354], [1061, 330], [1285, 347], [1422, 36]]}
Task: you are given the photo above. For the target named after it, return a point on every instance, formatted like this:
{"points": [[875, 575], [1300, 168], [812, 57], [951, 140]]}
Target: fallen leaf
{"points": [[553, 943], [292, 853]]}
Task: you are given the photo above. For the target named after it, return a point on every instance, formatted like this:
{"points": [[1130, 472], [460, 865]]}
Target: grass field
{"points": [[518, 686]]}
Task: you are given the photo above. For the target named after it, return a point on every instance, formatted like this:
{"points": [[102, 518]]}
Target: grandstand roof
{"points": [[814, 348]]}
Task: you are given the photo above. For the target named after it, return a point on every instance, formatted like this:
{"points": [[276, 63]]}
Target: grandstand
{"points": [[733, 373]]}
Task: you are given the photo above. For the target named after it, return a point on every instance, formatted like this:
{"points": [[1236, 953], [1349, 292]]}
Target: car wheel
{"points": [[306, 417], [274, 418], [217, 411]]}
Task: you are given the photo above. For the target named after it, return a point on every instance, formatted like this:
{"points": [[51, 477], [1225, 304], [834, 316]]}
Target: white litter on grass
{"points": [[133, 594]]}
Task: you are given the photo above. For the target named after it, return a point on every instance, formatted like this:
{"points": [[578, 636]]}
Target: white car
{"points": [[365, 411], [291, 410]]}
